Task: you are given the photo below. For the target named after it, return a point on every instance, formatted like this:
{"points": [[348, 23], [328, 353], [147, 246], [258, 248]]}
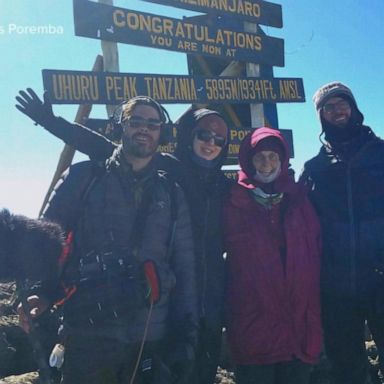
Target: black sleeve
{"points": [[65, 202], [83, 139], [305, 177]]}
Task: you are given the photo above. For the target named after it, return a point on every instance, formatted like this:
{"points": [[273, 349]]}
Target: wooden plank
{"points": [[104, 22], [255, 11], [74, 87], [110, 57], [253, 70]]}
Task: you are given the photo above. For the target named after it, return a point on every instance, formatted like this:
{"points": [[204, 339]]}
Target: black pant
{"points": [[290, 372], [344, 336], [99, 360], [207, 354]]}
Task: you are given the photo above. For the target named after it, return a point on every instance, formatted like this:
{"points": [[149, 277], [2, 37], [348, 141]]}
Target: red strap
{"points": [[67, 248], [152, 279], [69, 291], [65, 253]]}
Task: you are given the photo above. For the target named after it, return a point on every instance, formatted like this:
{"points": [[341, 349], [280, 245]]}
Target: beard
{"points": [[349, 131], [132, 147]]}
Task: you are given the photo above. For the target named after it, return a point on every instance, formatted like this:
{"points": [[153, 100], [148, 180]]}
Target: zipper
{"points": [[352, 216], [204, 258], [352, 230]]}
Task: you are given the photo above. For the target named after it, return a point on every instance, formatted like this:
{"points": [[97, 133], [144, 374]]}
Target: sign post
{"points": [[110, 57], [234, 59], [253, 70], [255, 11], [104, 22], [108, 62], [74, 87]]}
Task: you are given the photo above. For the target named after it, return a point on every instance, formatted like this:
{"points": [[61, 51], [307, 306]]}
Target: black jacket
{"points": [[347, 188], [103, 223], [206, 189]]}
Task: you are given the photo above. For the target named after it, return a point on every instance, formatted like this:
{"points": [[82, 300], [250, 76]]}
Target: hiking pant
{"points": [[289, 372], [100, 360], [344, 337], [207, 355]]}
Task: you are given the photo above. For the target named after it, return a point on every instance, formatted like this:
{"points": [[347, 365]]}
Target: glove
{"points": [[30, 104]]}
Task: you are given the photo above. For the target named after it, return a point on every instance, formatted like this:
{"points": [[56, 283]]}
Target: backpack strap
{"points": [[97, 170], [136, 236], [172, 188]]}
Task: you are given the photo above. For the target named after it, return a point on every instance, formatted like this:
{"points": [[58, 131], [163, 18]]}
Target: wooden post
{"points": [[108, 62], [253, 70], [111, 57], [234, 68], [68, 152]]}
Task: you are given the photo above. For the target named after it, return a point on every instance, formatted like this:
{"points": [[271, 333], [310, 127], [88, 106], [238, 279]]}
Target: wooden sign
{"points": [[105, 22], [79, 87], [236, 135], [255, 11], [231, 174]]}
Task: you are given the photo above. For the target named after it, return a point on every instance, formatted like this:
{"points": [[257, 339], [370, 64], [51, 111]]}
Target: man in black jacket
{"points": [[202, 144], [131, 298], [346, 181]]}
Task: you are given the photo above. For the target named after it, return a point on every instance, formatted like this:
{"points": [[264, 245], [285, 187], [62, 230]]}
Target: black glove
{"points": [[30, 104]]}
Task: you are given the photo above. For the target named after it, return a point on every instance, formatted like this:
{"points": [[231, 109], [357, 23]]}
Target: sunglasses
{"points": [[138, 122], [207, 136], [341, 105]]}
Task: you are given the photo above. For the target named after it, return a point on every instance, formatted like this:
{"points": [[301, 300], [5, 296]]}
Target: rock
{"points": [[27, 378], [16, 355]]}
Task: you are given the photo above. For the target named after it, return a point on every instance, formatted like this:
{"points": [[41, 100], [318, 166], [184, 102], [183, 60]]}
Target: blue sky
{"points": [[325, 40]]}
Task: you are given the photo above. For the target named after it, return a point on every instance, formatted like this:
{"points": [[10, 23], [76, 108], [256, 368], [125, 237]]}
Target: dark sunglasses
{"points": [[207, 136], [340, 105], [138, 122]]}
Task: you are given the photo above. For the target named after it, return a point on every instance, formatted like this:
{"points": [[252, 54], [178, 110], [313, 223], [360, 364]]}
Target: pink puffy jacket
{"points": [[273, 313]]}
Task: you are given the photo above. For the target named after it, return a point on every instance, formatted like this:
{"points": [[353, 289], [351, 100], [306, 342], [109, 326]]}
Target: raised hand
{"points": [[31, 105]]}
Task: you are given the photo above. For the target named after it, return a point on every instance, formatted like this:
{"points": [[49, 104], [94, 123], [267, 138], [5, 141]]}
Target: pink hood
{"points": [[247, 150]]}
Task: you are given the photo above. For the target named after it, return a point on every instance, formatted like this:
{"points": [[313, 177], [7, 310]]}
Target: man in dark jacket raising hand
{"points": [[131, 302], [346, 181]]}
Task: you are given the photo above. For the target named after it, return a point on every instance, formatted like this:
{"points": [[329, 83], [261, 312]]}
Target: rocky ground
{"points": [[17, 364]]}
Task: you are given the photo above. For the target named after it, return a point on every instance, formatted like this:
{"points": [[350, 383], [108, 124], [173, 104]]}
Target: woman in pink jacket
{"points": [[273, 242]]}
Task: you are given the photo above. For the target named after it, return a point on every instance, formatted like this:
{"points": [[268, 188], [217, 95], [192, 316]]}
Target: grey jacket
{"points": [[103, 222]]}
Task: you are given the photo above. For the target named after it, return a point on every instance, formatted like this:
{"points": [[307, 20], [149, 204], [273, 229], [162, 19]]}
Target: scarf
{"points": [[265, 199]]}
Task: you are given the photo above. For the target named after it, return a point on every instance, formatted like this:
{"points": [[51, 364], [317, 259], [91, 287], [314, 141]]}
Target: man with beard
{"points": [[346, 181], [130, 300], [202, 144]]}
